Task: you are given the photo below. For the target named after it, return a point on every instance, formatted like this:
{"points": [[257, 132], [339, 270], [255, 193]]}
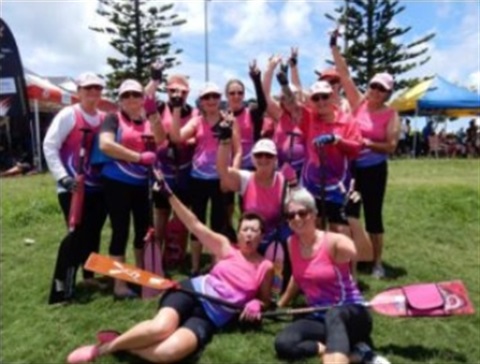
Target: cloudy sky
{"points": [[54, 37]]}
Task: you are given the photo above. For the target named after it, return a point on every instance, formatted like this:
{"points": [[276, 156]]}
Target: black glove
{"points": [[333, 38], [292, 61], [222, 130], [282, 76], [176, 101], [68, 183], [156, 71], [163, 189]]}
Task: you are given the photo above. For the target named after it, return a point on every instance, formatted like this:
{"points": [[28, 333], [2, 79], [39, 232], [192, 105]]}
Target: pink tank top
{"points": [[70, 150], [233, 279], [265, 201], [283, 139], [244, 121], [205, 154], [323, 281], [373, 126]]}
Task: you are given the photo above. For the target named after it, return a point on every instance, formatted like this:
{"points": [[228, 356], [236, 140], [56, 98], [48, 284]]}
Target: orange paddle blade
{"points": [[104, 265]]}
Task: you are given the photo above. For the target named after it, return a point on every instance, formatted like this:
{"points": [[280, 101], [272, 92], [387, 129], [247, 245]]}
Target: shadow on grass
{"points": [[392, 272], [420, 353]]}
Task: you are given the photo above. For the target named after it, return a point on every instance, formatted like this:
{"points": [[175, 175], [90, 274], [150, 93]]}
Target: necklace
{"points": [[307, 248]]}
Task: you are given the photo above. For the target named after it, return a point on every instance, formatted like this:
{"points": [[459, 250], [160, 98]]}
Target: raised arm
{"points": [[273, 108], [156, 77], [236, 145], [390, 144], [154, 119], [256, 77], [354, 96], [229, 177], [216, 243], [293, 63]]}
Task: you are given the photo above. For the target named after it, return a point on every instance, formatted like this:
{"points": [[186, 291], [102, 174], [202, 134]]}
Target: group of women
{"points": [[311, 137]]}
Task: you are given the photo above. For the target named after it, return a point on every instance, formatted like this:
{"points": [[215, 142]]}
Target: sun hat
{"points": [[130, 85], [209, 88], [89, 79], [264, 146]]}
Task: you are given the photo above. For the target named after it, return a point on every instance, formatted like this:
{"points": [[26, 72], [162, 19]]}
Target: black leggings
{"points": [[123, 199], [204, 190], [191, 312], [90, 230], [339, 331], [371, 182]]}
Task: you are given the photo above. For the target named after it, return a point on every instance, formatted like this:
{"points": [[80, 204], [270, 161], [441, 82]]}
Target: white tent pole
{"points": [[37, 135]]}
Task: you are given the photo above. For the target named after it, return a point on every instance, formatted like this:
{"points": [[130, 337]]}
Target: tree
{"points": [[376, 46], [140, 34]]}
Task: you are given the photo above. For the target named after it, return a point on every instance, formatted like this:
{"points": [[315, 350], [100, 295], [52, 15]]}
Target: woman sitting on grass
{"points": [[185, 324], [320, 263]]}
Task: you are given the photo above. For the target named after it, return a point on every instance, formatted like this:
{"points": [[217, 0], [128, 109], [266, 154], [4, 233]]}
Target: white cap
{"points": [[321, 87], [130, 85], [89, 79], [210, 88], [264, 146], [384, 79]]}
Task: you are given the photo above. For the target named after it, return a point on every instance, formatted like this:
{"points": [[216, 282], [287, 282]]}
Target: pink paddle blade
{"points": [[425, 299], [152, 262], [175, 243]]}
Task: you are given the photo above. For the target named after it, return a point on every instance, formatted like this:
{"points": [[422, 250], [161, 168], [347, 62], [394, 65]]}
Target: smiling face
{"points": [[322, 102], [210, 102], [299, 217], [90, 94], [264, 162], [249, 234], [131, 102], [377, 93], [235, 93]]}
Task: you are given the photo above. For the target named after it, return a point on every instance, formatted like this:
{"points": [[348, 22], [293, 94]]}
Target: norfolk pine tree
{"points": [[139, 32], [372, 44]]}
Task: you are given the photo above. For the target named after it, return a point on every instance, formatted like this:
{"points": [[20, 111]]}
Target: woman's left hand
{"points": [[252, 310]]}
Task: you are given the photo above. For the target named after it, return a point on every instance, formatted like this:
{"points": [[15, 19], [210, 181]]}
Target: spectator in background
{"points": [[427, 131], [472, 139]]}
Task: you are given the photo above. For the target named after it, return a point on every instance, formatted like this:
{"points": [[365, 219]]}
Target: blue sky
{"points": [[54, 38]]}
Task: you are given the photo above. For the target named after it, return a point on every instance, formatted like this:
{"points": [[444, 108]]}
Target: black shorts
{"points": [[334, 212], [162, 203], [191, 312]]}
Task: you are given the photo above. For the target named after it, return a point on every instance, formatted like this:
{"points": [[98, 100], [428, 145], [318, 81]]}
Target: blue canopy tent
{"points": [[437, 96]]}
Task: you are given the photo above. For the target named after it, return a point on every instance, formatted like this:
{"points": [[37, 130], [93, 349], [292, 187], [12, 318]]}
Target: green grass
{"points": [[433, 234]]}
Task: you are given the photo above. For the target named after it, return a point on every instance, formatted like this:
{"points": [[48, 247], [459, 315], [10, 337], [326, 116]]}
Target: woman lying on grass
{"points": [[185, 324]]}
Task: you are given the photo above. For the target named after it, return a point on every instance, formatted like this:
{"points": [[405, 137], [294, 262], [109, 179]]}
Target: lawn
{"points": [[433, 234]]}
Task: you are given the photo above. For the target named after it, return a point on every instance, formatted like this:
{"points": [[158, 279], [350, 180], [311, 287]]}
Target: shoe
{"points": [[378, 271], [366, 355], [129, 295], [106, 336], [83, 354]]}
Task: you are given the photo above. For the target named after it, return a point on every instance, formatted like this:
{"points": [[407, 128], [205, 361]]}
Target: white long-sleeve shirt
{"points": [[58, 131]]}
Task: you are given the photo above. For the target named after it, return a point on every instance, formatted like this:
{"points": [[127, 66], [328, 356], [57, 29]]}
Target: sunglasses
{"points": [[235, 93], [176, 91], [133, 94], [378, 87], [93, 87], [318, 97], [301, 214], [333, 82], [263, 155], [210, 96]]}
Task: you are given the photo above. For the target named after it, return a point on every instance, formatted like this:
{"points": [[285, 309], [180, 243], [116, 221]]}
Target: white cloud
{"points": [[294, 18], [473, 81]]}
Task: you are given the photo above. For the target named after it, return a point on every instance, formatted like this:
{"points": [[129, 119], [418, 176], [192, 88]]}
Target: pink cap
{"points": [[384, 79], [329, 73], [130, 85], [179, 82]]}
